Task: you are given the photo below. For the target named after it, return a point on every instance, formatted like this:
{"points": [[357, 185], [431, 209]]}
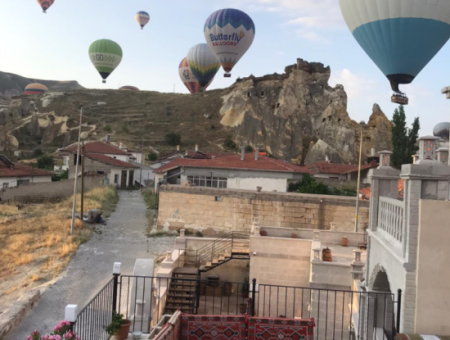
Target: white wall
{"points": [[267, 184], [12, 181], [123, 158], [118, 171], [138, 156]]}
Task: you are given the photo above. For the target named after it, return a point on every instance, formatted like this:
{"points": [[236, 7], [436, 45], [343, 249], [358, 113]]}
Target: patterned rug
{"points": [[207, 327], [280, 329]]}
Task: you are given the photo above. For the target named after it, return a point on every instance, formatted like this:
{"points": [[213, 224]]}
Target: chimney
{"points": [[196, 147], [372, 152], [107, 138], [256, 153], [242, 153], [178, 148]]}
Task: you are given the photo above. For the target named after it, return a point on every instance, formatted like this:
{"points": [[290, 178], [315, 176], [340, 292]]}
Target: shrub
{"points": [[152, 156], [172, 138], [309, 185], [37, 153], [125, 129], [45, 162], [108, 129], [248, 149], [229, 143], [64, 175]]}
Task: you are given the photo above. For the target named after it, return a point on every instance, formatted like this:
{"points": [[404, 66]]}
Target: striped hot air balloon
{"points": [[202, 64], [106, 55], [35, 88], [229, 34], [401, 37], [188, 78], [129, 88], [142, 18], [45, 4]]}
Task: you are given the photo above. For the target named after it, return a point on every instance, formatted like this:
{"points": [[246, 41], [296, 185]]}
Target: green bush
{"points": [[248, 149], [150, 199], [37, 153], [57, 178], [108, 129], [172, 138], [309, 185], [46, 162], [152, 156], [229, 143]]}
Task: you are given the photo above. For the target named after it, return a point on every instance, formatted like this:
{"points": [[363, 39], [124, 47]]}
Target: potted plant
{"points": [[119, 327], [245, 288], [62, 331], [344, 241]]}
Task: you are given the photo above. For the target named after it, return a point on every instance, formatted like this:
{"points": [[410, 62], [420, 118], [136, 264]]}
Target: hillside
{"points": [[13, 84], [295, 116]]}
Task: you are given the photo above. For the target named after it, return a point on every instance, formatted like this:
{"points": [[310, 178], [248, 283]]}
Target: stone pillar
{"points": [[357, 266], [428, 147], [442, 155]]}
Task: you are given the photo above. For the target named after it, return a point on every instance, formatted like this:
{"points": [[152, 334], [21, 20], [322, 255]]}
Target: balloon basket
{"points": [[104, 81], [399, 98], [227, 75]]}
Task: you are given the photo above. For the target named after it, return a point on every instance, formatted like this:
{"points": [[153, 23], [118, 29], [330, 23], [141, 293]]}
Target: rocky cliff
{"points": [[13, 84], [296, 116]]}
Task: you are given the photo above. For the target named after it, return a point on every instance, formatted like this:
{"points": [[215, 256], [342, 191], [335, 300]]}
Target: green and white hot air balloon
{"points": [[106, 55]]}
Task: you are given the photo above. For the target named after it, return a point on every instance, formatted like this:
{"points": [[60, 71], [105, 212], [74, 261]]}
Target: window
{"points": [[23, 182], [214, 182], [75, 159], [5, 185], [116, 179]]}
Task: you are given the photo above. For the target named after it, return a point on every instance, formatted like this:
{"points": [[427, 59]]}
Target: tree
{"points": [[108, 128], [404, 139], [229, 143], [172, 138], [45, 162], [37, 153], [152, 156], [309, 185]]}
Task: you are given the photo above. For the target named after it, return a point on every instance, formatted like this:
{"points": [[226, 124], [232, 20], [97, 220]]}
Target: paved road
{"points": [[121, 240]]}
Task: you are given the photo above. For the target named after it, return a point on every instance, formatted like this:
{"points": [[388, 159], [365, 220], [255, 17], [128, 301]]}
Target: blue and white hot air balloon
{"points": [[400, 36], [229, 33]]}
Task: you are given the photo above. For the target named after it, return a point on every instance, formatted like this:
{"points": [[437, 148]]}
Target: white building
{"points": [[245, 171], [15, 174]]}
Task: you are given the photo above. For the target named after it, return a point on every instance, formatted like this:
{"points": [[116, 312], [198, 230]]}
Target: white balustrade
{"points": [[390, 217]]}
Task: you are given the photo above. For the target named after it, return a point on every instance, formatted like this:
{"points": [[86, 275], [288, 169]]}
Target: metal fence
{"points": [[338, 314], [97, 314]]}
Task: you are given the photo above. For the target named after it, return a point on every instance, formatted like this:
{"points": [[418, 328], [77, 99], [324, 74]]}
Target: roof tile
{"points": [[97, 147], [109, 160]]}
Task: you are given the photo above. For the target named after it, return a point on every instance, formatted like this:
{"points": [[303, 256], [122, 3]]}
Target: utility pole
{"points": [[82, 182], [76, 174], [361, 123], [446, 91], [142, 160]]}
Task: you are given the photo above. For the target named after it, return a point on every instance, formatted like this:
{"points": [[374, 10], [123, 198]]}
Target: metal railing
{"points": [[221, 246], [339, 314], [390, 217], [97, 314]]}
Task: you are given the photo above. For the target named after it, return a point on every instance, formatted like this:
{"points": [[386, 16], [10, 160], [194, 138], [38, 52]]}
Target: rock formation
{"points": [[286, 113]]}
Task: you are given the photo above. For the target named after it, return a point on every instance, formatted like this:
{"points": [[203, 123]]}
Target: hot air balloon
{"points": [[202, 64], [401, 37], [187, 77], [35, 88], [128, 88], [142, 18], [106, 55], [229, 34], [45, 4]]}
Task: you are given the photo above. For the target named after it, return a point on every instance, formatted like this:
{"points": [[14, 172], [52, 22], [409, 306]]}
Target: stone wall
{"points": [[223, 210], [60, 189]]}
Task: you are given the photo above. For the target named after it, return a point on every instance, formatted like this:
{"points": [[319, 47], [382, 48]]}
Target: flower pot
{"points": [[263, 233], [344, 241], [294, 235], [124, 330], [326, 255]]}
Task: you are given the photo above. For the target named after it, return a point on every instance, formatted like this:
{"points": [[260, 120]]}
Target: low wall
{"points": [[226, 210], [324, 236], [61, 189]]}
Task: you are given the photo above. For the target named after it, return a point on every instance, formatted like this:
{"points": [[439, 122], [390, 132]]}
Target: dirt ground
{"points": [[36, 245]]}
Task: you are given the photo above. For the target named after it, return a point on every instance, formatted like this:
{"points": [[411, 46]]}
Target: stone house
{"points": [[16, 174], [245, 171]]}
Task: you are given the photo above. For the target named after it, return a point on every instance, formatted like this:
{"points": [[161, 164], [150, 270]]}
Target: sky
{"points": [[55, 46]]}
